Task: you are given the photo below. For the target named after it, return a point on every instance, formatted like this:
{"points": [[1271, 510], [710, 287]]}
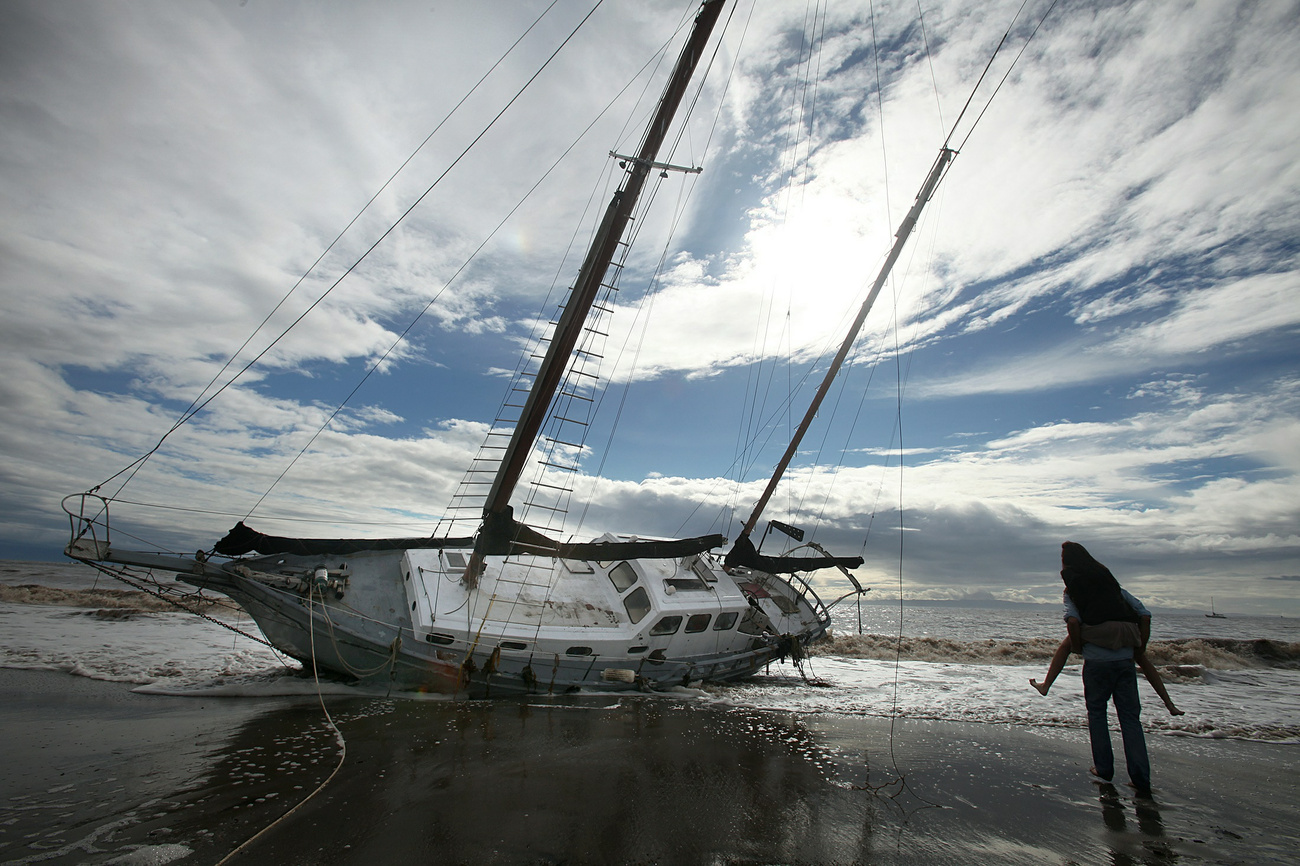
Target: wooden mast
{"points": [[904, 231], [594, 268]]}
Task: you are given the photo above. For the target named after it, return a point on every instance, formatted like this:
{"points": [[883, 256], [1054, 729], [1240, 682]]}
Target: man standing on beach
{"points": [[1108, 670]]}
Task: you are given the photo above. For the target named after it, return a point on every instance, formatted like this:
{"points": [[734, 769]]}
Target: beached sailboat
{"points": [[509, 609]]}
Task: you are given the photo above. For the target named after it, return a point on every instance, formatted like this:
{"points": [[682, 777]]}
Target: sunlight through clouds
{"points": [[1091, 335]]}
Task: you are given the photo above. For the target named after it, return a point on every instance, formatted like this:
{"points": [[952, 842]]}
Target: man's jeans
{"points": [[1118, 679]]}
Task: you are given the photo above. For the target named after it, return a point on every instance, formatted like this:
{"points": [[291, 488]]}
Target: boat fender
{"points": [[618, 675]]}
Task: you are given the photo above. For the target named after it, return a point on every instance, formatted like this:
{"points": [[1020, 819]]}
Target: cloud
{"points": [[1091, 327]]}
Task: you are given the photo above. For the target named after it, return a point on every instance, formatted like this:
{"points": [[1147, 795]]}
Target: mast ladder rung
{"points": [[570, 420], [556, 510], [577, 396], [589, 354], [551, 486], [561, 442], [594, 331], [584, 373], [559, 466]]}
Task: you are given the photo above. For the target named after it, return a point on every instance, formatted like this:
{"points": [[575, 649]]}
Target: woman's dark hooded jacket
{"points": [[1092, 588]]}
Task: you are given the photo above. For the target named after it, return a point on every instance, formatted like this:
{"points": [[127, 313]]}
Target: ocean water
{"points": [[1237, 677]]}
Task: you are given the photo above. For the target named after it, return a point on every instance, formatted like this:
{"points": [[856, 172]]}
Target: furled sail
{"points": [[500, 536]]}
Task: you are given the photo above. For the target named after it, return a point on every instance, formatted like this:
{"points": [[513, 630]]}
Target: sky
{"points": [[1091, 336]]}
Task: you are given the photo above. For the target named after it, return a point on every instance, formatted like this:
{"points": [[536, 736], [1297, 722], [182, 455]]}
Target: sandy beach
{"points": [[95, 773]]}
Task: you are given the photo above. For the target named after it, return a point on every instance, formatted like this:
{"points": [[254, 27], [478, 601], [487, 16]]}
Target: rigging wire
{"points": [[761, 377], [216, 513], [646, 304], [1008, 72], [377, 364], [929, 56], [541, 321], [646, 301], [195, 405]]}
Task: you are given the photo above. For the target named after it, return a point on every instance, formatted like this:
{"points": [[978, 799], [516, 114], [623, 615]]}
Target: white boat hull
{"points": [[532, 624]]}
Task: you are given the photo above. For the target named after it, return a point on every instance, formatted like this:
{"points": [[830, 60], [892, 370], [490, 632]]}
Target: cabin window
{"points": [[725, 621], [637, 604], [577, 566], [455, 560], [622, 576], [578, 651], [685, 583], [667, 625], [698, 622], [513, 645], [440, 639]]}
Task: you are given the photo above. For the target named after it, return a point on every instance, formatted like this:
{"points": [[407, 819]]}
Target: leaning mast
{"points": [[904, 232], [496, 510]]}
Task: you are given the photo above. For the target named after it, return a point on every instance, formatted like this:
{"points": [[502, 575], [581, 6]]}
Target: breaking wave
{"points": [[1181, 658], [108, 603]]}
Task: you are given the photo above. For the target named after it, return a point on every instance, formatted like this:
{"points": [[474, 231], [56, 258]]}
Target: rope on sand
{"points": [[338, 736]]}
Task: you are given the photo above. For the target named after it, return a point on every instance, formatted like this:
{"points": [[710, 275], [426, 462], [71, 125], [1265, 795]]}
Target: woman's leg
{"points": [[1059, 659], [1157, 682]]}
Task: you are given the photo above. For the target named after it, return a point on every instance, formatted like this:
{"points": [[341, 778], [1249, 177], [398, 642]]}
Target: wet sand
{"points": [[93, 773]]}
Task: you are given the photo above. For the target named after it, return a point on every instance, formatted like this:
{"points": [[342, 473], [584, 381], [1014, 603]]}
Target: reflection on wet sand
{"points": [[1148, 845], [581, 781]]}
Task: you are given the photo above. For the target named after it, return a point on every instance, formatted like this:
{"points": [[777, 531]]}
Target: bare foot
{"points": [[1174, 711], [1042, 687]]}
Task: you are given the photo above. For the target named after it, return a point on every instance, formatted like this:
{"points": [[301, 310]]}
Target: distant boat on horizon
{"points": [[1212, 614]]}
